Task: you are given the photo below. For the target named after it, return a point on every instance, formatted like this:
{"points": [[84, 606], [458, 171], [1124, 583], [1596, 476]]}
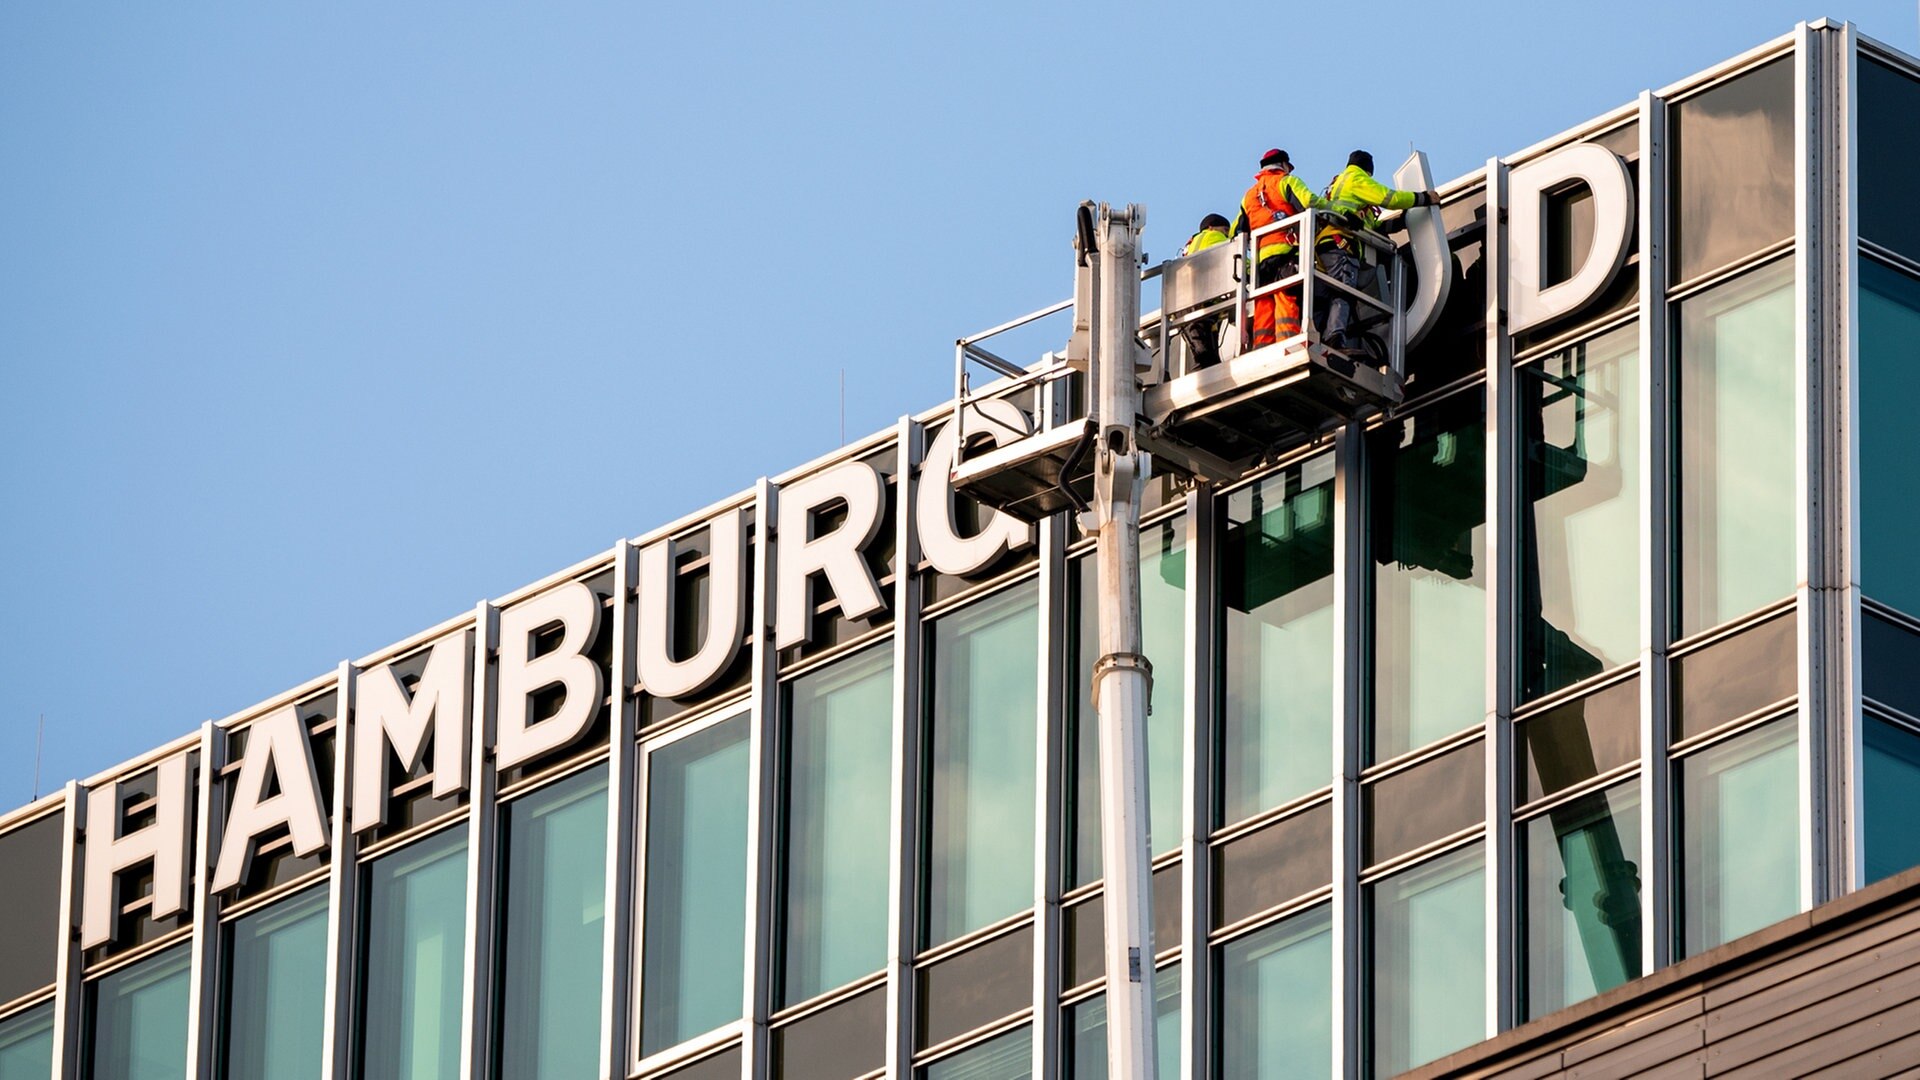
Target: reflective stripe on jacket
{"points": [[1271, 198], [1204, 239], [1359, 194]]}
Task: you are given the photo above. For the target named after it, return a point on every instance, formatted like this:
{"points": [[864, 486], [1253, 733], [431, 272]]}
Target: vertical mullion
{"points": [[203, 1006], [1656, 620], [1503, 467], [903, 860], [1196, 811], [616, 988], [481, 822], [1056, 654], [1844, 300], [1350, 651], [763, 755], [343, 903], [68, 988]]}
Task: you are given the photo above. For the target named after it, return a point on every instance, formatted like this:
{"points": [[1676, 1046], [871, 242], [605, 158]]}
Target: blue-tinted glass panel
{"points": [[1087, 1050], [1276, 597], [1885, 105], [1582, 899], [1163, 601], [1428, 965], [138, 1020], [1004, 1057], [26, 1044], [839, 789], [695, 913], [982, 737], [276, 990], [1893, 798], [414, 961], [1580, 512], [553, 908], [1428, 529], [1889, 483], [1739, 831], [1734, 428], [1276, 1001]]}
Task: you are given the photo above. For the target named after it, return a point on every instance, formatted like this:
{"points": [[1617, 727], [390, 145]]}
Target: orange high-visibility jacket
{"points": [[1272, 197]]}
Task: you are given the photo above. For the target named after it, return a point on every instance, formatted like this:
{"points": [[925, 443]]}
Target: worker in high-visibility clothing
{"points": [[1276, 193], [1203, 334], [1358, 198]]}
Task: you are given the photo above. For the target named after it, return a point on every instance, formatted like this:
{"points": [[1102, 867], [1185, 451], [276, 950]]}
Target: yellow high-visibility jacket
{"points": [[1203, 240], [1359, 194]]}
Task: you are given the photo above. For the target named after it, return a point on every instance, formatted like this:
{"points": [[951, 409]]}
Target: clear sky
{"points": [[320, 323]]}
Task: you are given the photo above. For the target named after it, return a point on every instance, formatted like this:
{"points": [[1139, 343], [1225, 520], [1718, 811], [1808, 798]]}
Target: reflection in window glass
{"points": [[1582, 897], [1276, 1001], [1004, 1057], [138, 1017], [26, 1045], [276, 980], [1893, 798], [981, 743], [1276, 570], [1428, 528], [695, 920], [1884, 105], [839, 789], [1580, 512], [1163, 597], [1088, 1022], [1735, 428], [1740, 821], [1889, 484], [553, 910], [1428, 961], [1732, 151], [414, 959]]}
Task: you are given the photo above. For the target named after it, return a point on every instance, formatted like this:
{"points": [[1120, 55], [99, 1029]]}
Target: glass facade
{"points": [[1284, 970], [413, 961], [1427, 961], [276, 990], [1893, 798], [137, 1020], [26, 1044], [1087, 1023], [1007, 1057], [1889, 484], [1740, 862], [1582, 899], [695, 911]]}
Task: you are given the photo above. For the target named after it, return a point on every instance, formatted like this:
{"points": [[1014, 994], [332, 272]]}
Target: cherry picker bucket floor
{"points": [[1268, 399], [1023, 477]]}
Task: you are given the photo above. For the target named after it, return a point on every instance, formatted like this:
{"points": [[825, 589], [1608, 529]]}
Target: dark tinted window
{"points": [[975, 987], [30, 932], [1889, 157], [1729, 679], [1889, 484], [721, 1066], [1732, 151], [847, 1039], [1578, 740], [1273, 864], [1890, 663], [1433, 799]]}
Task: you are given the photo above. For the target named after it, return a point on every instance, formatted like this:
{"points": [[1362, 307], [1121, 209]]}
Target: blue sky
{"points": [[320, 324]]}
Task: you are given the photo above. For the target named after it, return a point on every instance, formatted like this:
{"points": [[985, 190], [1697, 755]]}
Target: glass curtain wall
{"points": [[1087, 1023], [553, 908], [1889, 483], [695, 913], [276, 985], [1428, 961], [839, 791], [137, 1018], [1427, 507], [1277, 604], [1581, 914], [981, 744], [1579, 412], [413, 962], [26, 1044], [1163, 602], [1003, 1057], [1734, 438], [1892, 768], [1276, 1001], [1739, 831]]}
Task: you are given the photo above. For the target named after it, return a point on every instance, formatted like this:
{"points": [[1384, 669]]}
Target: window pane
{"points": [[1740, 822], [1735, 676], [974, 988], [1277, 598], [1732, 169], [1087, 1049], [1276, 1001], [1007, 1057], [30, 933], [847, 1038], [1163, 602], [1578, 740], [1886, 103], [26, 1045], [839, 789], [1580, 512], [981, 744], [1890, 663], [1889, 484], [696, 886], [1892, 797], [138, 1017], [414, 961], [1735, 433], [1582, 899], [1273, 864], [1431, 800], [277, 967], [553, 910], [1429, 961]]}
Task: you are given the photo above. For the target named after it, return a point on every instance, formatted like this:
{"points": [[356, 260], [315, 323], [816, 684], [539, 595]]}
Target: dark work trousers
{"points": [[1203, 339], [1338, 328]]}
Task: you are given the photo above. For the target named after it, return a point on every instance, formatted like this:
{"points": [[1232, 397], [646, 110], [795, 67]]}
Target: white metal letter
{"points": [[660, 673], [836, 554], [940, 539], [519, 738], [1432, 259], [164, 843], [277, 749], [384, 714], [1531, 301]]}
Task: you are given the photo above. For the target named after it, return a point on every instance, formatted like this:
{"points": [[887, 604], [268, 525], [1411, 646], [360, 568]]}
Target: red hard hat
{"points": [[1275, 156]]}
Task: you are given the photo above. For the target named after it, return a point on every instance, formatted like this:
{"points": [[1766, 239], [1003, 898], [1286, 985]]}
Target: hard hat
{"points": [[1274, 157]]}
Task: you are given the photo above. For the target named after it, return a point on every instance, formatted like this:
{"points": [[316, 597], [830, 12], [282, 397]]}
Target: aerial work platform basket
{"points": [[1213, 422]]}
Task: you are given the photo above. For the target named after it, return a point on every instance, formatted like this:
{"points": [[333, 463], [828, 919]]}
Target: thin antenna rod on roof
{"points": [[39, 735], [843, 406]]}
